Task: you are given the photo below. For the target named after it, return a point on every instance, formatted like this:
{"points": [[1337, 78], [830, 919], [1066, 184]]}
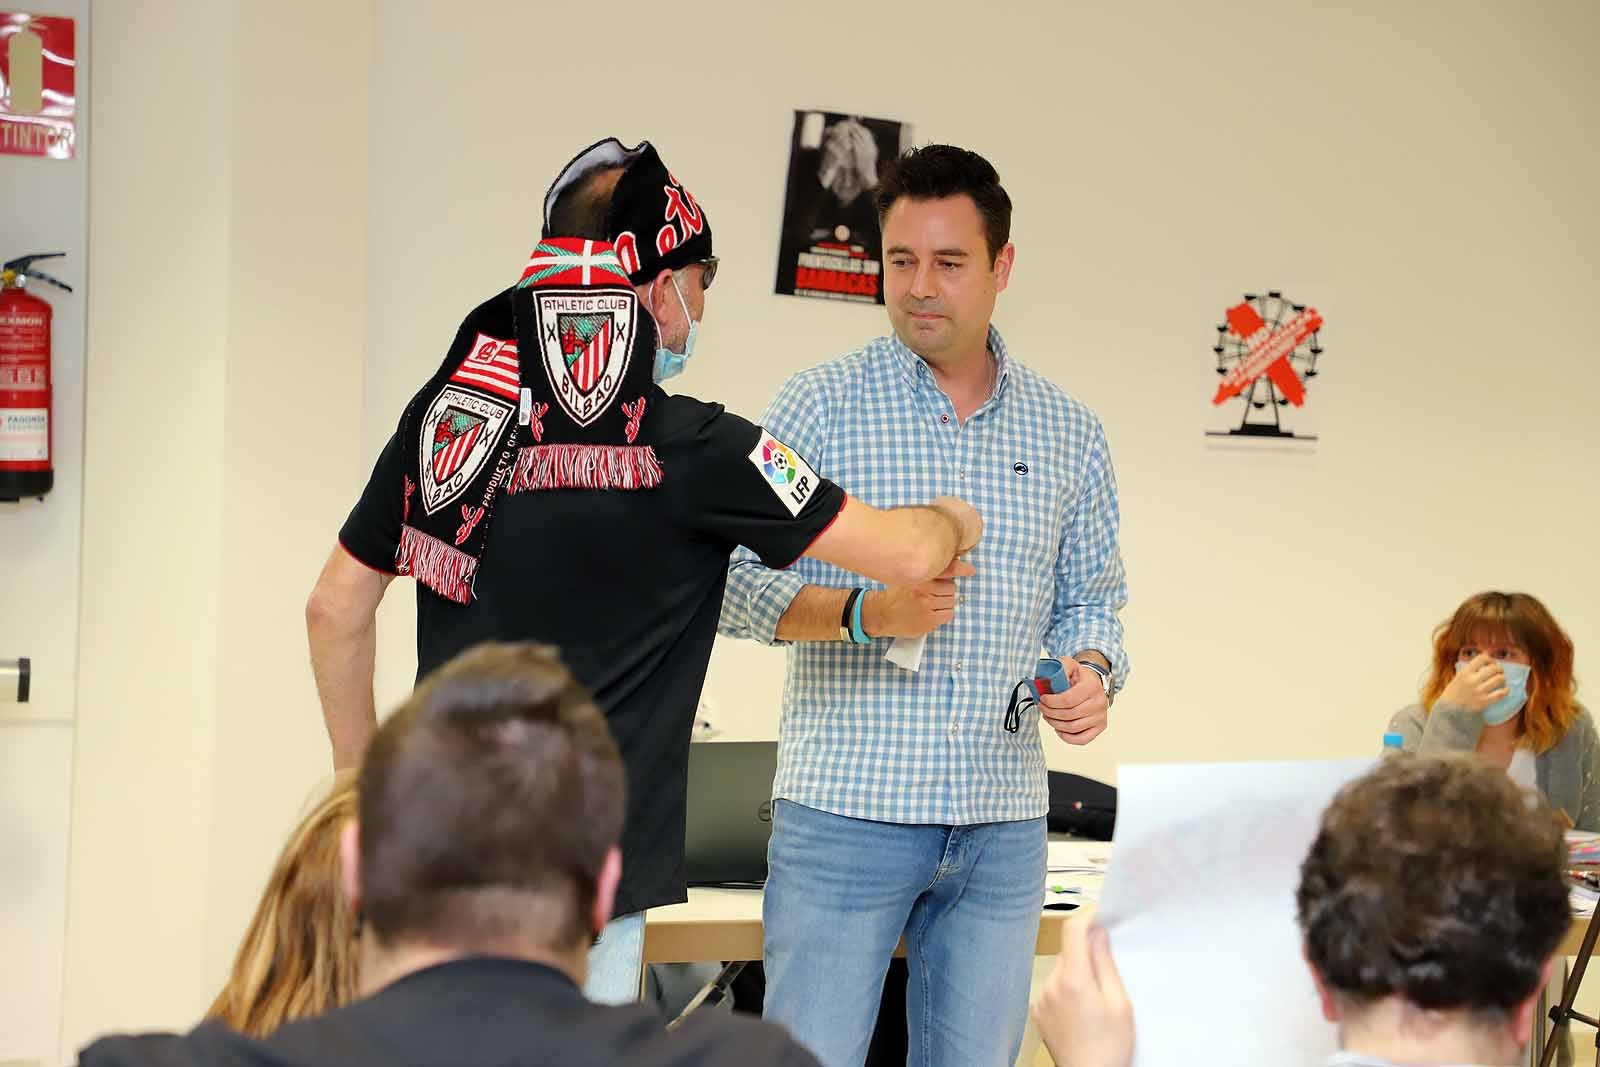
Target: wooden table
{"points": [[725, 924]]}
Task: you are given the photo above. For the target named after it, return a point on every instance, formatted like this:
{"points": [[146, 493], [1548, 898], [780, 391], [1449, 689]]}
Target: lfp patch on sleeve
{"points": [[785, 473]]}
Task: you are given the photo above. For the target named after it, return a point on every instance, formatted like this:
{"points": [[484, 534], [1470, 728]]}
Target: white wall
{"points": [[1417, 171], [45, 209], [150, 558], [226, 351], [287, 226], [291, 440]]}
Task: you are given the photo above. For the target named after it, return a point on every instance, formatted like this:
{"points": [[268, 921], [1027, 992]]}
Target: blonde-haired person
{"points": [[298, 957], [1501, 686]]}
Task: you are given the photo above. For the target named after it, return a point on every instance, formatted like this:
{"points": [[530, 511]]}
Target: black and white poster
{"points": [[830, 247]]}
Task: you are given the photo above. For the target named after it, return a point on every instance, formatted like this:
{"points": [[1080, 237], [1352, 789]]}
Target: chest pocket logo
{"points": [[1023, 525]]}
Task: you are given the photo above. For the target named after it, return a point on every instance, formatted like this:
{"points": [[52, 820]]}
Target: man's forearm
{"points": [[343, 660], [815, 611], [813, 615], [898, 546]]}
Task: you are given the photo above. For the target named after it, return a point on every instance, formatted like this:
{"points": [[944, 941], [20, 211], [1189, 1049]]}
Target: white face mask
{"points": [[669, 364]]}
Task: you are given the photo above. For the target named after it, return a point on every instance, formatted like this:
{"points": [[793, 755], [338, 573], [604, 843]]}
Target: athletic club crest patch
{"points": [[459, 433], [585, 337]]}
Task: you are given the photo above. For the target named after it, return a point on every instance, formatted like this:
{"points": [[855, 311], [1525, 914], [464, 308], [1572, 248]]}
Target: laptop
{"points": [[729, 811]]}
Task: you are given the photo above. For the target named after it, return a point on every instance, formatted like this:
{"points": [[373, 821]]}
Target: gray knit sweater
{"points": [[1569, 774]]}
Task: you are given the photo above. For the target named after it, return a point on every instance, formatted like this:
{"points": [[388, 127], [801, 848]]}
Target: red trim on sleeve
{"points": [[844, 498], [364, 563]]}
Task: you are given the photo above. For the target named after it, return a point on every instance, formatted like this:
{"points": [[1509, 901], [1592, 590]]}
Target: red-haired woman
{"points": [[1501, 685]]}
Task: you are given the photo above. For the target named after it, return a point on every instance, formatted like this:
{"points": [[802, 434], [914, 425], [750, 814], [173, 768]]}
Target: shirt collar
{"points": [[917, 374]]}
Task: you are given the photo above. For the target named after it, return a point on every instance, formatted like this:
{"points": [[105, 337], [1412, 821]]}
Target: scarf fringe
{"points": [[584, 467], [443, 568]]}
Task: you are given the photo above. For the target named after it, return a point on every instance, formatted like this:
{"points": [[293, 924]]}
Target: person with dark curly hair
{"points": [[1431, 903]]}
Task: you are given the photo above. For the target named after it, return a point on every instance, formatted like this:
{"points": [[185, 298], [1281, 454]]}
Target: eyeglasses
{"points": [[708, 271]]}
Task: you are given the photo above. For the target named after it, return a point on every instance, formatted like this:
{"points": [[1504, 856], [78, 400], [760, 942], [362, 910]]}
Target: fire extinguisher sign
{"points": [[24, 435], [38, 94]]}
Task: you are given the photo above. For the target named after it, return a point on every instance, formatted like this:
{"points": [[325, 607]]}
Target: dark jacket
{"points": [[479, 1012]]}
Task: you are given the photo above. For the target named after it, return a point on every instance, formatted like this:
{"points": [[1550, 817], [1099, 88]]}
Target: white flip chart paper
{"points": [[1199, 905]]}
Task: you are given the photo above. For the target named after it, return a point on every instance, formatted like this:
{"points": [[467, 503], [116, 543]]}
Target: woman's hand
{"points": [[1479, 683]]}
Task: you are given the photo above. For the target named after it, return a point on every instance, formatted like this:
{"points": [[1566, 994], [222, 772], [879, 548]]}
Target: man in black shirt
{"points": [[613, 505], [483, 860]]}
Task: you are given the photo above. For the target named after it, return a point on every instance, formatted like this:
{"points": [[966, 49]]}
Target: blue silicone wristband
{"points": [[857, 634]]}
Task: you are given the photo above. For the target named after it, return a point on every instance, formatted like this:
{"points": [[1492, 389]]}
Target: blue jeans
{"points": [[616, 960], [840, 892]]}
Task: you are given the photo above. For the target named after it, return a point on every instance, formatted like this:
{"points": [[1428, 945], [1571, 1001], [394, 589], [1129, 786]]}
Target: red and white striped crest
{"points": [[452, 451], [585, 338], [460, 431]]}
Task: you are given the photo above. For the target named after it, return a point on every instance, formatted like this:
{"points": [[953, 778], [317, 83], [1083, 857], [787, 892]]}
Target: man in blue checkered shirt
{"points": [[911, 791]]}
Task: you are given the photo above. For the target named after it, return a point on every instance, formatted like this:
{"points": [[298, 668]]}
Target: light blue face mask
{"points": [[1516, 693], [669, 364]]}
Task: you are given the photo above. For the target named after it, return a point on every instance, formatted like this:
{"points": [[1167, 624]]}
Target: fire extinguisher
{"points": [[25, 431]]}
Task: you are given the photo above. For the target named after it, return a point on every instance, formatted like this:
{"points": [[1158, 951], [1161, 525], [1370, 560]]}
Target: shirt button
{"points": [[955, 728], [958, 666], [962, 599], [944, 418], [962, 474]]}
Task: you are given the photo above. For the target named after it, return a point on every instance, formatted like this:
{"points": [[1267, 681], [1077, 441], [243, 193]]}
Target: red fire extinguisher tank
{"points": [[25, 432]]}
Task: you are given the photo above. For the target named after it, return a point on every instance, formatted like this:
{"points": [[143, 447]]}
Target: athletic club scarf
{"points": [[543, 388], [653, 222]]}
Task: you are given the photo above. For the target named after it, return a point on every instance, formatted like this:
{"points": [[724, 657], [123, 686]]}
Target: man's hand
{"points": [[1082, 1011], [966, 517], [1078, 716], [913, 610], [1478, 684]]}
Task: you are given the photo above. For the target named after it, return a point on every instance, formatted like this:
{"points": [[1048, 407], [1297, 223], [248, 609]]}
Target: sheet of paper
{"points": [[906, 652], [1199, 903], [1075, 871], [1076, 855]]}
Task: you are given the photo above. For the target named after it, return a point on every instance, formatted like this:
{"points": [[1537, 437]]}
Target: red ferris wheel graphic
{"points": [[1267, 349]]}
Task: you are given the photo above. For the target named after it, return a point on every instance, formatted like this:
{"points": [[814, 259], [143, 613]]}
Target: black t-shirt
{"points": [[478, 1012], [628, 584]]}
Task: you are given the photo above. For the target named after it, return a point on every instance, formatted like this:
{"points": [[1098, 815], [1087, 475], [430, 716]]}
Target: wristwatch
{"points": [[1105, 678]]}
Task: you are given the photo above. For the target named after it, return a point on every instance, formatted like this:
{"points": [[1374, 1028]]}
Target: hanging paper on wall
{"points": [[830, 247], [38, 95], [1268, 351]]}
